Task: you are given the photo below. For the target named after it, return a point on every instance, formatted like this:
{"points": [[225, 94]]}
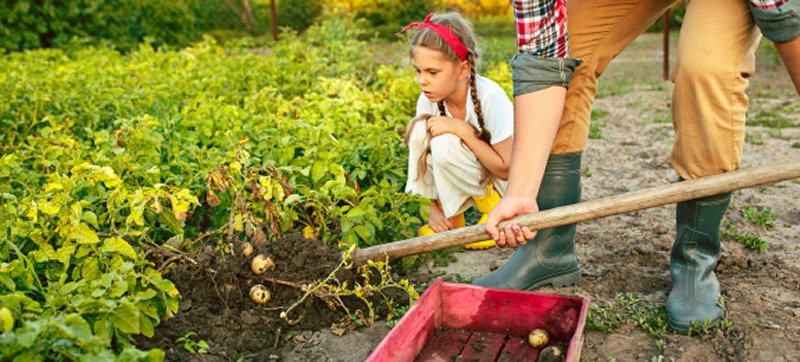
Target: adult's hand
{"points": [[511, 235]]}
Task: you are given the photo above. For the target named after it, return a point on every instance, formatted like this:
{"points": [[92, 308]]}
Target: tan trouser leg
{"points": [[598, 31], [716, 55]]}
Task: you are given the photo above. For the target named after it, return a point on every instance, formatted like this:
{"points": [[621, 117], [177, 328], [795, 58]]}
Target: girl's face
{"points": [[438, 76]]}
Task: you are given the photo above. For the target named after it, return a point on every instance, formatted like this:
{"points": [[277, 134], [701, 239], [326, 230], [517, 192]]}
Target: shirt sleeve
{"points": [[498, 113]]}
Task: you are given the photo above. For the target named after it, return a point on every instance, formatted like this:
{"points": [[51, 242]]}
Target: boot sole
{"points": [[565, 280]]}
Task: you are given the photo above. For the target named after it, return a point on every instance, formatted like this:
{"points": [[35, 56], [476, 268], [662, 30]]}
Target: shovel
{"points": [[589, 210]]}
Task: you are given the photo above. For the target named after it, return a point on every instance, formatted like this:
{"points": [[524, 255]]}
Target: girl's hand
{"points": [[439, 125], [511, 235], [437, 220]]}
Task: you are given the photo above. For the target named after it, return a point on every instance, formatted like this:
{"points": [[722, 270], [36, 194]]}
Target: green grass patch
{"points": [[662, 118], [760, 216], [730, 231], [628, 308], [772, 118], [615, 87], [596, 123], [754, 137]]}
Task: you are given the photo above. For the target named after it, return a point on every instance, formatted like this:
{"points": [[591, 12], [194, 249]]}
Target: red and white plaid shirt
{"points": [[768, 4], [542, 25]]}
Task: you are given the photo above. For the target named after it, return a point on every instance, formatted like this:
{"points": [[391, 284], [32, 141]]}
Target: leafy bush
{"points": [[298, 14], [54, 23]]}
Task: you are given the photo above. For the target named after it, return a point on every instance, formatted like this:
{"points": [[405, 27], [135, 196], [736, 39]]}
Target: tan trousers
{"points": [[453, 173], [716, 55]]}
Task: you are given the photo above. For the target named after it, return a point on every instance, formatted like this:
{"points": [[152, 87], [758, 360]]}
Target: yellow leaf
{"points": [[119, 246], [84, 235], [238, 224], [308, 232], [49, 208], [7, 319], [235, 166], [53, 186]]}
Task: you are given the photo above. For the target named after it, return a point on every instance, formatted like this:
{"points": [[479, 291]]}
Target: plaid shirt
{"points": [[768, 4], [542, 25]]}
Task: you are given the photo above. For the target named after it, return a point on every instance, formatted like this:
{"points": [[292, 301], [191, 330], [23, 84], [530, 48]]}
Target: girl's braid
{"points": [[483, 132]]}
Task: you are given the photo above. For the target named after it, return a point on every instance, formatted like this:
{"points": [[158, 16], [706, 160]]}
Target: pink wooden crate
{"points": [[466, 322]]}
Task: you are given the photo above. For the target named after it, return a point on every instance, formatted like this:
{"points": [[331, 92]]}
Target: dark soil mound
{"points": [[217, 307]]}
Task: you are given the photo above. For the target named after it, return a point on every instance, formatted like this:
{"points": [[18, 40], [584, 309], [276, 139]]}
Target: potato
{"points": [[259, 294], [538, 338], [261, 263], [247, 249], [551, 354]]}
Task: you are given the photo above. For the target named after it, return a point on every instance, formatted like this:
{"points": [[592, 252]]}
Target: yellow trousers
{"points": [[716, 55]]}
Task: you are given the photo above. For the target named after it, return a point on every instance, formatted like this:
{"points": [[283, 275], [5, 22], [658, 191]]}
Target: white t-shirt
{"points": [[498, 111]]}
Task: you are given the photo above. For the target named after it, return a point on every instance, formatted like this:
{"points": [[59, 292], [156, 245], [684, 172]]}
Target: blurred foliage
{"points": [[125, 23]]}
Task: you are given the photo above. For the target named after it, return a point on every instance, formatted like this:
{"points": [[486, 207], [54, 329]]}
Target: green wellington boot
{"points": [[695, 289], [550, 257]]}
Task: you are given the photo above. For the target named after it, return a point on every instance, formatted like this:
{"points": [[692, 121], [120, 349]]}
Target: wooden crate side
{"points": [[510, 312], [576, 343], [408, 337]]}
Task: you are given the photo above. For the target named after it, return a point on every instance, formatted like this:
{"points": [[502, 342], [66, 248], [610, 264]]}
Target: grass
{"points": [[628, 308], [772, 118], [615, 87], [730, 231], [597, 122], [662, 118], [754, 137], [760, 216]]}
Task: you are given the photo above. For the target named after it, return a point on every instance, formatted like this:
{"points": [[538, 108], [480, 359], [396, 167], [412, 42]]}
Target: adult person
{"points": [[716, 55]]}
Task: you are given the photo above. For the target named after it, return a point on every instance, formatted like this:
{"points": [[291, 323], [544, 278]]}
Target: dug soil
{"points": [[216, 307]]}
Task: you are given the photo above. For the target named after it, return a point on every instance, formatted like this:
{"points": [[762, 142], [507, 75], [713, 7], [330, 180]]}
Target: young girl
{"points": [[460, 141]]}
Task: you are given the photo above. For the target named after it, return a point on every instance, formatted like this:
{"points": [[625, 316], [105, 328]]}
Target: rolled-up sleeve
{"points": [[543, 59]]}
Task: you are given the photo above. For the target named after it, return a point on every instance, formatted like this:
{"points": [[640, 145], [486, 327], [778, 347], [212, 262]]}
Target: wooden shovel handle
{"points": [[589, 210]]}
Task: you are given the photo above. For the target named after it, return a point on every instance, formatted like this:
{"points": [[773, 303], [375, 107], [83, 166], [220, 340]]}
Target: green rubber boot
{"points": [[550, 257], [695, 289]]}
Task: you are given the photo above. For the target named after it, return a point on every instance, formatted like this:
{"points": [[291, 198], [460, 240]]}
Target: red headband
{"points": [[451, 39]]}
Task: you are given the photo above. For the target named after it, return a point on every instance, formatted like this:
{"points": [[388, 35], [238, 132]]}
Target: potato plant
{"points": [[111, 159]]}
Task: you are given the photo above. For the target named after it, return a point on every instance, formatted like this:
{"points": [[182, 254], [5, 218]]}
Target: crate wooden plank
{"points": [[518, 350], [445, 345], [406, 340], [482, 346]]}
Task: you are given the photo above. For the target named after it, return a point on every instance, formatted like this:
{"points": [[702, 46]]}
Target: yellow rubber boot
{"points": [[485, 204], [458, 222]]}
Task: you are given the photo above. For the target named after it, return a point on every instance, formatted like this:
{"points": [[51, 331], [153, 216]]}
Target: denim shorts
{"points": [[780, 24], [530, 73]]}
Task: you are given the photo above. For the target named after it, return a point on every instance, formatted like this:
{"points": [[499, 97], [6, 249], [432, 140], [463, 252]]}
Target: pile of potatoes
{"points": [[539, 338], [260, 264]]}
